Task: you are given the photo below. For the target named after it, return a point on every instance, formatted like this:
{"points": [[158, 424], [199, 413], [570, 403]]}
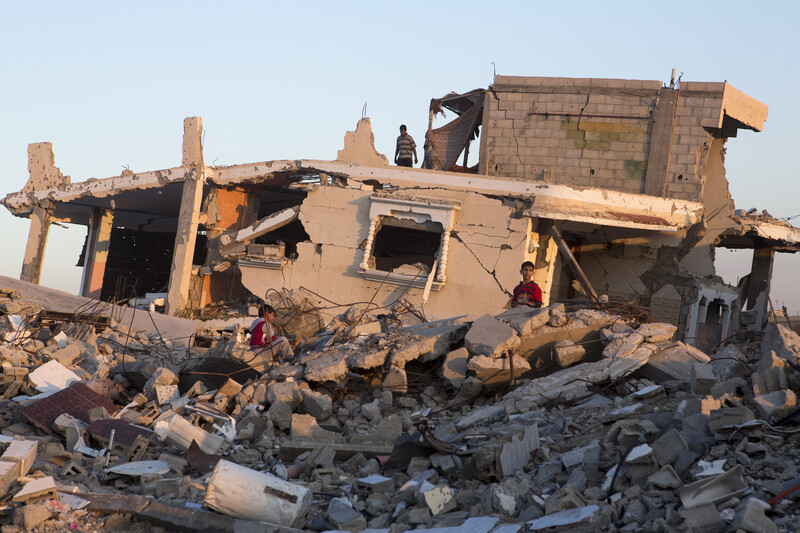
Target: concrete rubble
{"points": [[501, 423]]}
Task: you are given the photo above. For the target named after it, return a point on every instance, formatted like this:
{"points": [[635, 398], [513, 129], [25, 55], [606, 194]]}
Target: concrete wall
{"points": [[486, 248], [596, 132]]}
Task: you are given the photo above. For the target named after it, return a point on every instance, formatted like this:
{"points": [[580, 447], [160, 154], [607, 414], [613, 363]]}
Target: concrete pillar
{"points": [[760, 274], [37, 241], [655, 182], [544, 259], [188, 219], [97, 245]]}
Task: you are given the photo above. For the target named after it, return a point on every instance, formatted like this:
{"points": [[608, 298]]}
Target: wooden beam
{"points": [[573, 264]]}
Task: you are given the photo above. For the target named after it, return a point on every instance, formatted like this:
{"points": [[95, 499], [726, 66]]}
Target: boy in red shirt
{"points": [[262, 336], [528, 292]]}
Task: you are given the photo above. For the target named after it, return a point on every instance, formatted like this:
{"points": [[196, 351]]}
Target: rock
{"points": [[281, 415], [490, 370], [440, 500], [34, 514], [776, 404], [702, 378], [372, 411], [558, 316], [767, 381], [666, 478], [368, 359], [306, 429], [396, 380], [656, 333], [287, 392], [668, 446], [781, 340], [161, 376], [490, 337], [328, 367], [568, 353], [750, 517], [454, 368], [318, 405], [341, 513], [503, 502]]}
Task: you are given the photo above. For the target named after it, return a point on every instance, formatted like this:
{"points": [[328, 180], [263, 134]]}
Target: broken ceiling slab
{"points": [[759, 230], [178, 330], [611, 208]]}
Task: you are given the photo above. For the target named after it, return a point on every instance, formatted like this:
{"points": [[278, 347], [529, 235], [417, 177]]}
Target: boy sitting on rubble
{"points": [[528, 292], [263, 339]]}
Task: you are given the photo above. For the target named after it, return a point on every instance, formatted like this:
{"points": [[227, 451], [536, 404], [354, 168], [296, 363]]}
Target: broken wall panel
{"points": [[485, 250]]}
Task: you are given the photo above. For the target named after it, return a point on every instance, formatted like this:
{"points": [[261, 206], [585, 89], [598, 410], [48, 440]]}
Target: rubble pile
{"points": [[532, 420]]}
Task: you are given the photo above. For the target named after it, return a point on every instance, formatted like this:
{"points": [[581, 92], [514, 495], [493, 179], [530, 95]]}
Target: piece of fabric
{"points": [[405, 162]]}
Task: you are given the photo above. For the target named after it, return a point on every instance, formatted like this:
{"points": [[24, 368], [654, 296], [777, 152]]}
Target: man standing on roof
{"points": [[528, 292], [406, 147]]}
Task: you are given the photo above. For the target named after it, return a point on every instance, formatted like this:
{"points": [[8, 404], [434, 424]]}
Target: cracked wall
{"points": [[486, 248]]}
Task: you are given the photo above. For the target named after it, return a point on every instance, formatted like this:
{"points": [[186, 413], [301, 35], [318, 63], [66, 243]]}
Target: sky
{"points": [[109, 84]]}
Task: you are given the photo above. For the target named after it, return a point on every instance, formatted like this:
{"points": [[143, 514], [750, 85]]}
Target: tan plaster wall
{"points": [[486, 249]]}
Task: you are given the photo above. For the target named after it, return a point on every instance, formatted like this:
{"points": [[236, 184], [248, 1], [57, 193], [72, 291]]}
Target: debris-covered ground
{"points": [[548, 419]]}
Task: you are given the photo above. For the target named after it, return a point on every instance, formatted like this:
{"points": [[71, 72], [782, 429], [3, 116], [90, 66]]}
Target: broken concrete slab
{"points": [[490, 337], [572, 383], [327, 367], [657, 332], [36, 489], [491, 371], [525, 320], [623, 346]]}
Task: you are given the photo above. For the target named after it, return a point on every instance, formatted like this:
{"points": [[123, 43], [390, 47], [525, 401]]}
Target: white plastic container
{"points": [[180, 433], [240, 492]]}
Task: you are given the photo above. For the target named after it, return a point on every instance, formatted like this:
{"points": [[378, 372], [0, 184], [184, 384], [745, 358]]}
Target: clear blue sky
{"points": [[109, 84]]}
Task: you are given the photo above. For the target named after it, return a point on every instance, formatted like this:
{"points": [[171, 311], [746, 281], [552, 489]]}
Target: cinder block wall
{"points": [[594, 132]]}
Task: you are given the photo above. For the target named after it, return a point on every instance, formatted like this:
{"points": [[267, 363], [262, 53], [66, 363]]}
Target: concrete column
{"points": [[97, 253], [544, 259], [188, 219], [655, 182], [37, 241], [760, 274]]}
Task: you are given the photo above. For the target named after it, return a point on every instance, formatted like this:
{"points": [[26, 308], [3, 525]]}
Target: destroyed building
{"points": [[589, 414], [610, 187]]}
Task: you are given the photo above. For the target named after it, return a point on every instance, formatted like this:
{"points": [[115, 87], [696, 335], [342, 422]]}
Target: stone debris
{"points": [[549, 419]]}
